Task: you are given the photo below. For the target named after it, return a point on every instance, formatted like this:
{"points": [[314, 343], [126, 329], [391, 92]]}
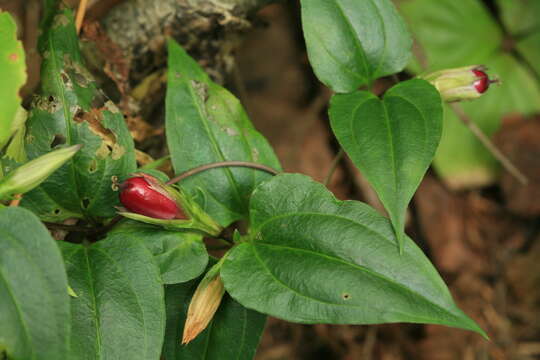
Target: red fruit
{"points": [[144, 195], [482, 84]]}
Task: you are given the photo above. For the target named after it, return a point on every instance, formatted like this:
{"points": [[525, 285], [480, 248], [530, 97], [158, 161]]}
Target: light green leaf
{"points": [[205, 124], [119, 311], [522, 19], [34, 304], [451, 33], [469, 30], [12, 73], [181, 256], [234, 332], [71, 110], [350, 43], [313, 259], [392, 141]]}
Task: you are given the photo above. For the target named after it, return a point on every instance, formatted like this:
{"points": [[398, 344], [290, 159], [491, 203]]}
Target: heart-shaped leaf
{"points": [[234, 332], [181, 256], [207, 124], [34, 301], [352, 42], [119, 311], [12, 73], [313, 259], [392, 141], [72, 110]]}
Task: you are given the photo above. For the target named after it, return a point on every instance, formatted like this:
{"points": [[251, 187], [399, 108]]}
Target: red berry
{"points": [[144, 196], [482, 84]]}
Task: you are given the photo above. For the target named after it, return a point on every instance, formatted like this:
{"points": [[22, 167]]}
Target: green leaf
{"points": [[440, 25], [313, 259], [234, 333], [205, 124], [392, 141], [34, 304], [181, 256], [463, 26], [350, 43], [71, 110], [12, 73], [522, 19], [119, 311]]}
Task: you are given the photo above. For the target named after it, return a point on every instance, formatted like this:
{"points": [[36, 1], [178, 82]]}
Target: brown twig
{"points": [[221, 164], [16, 200], [488, 144], [81, 11]]}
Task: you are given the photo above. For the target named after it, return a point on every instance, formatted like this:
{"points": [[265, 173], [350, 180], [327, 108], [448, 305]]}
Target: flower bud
{"points": [[30, 175], [149, 200], [146, 195], [466, 83], [203, 305]]}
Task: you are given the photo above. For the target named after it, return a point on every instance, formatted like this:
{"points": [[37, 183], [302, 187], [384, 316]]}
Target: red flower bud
{"points": [[146, 195], [482, 84]]}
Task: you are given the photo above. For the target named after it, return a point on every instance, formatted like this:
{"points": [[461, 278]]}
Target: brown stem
{"points": [[80, 15], [486, 141], [221, 164], [16, 200]]}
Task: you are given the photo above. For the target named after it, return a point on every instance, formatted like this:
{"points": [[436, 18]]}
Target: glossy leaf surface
{"points": [[205, 123], [313, 259], [392, 141], [72, 110], [34, 302], [350, 43], [181, 256], [119, 311]]}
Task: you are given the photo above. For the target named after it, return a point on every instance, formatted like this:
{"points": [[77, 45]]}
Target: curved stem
{"points": [[221, 164], [333, 167]]}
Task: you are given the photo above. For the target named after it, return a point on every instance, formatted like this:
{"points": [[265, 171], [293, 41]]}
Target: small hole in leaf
{"points": [[58, 139], [346, 296], [93, 166], [85, 203]]}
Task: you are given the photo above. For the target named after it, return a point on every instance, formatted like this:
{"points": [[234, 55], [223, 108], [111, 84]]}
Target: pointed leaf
{"points": [[392, 141], [12, 73], [181, 256], [206, 124], [350, 43], [34, 301], [313, 259], [234, 332], [71, 110], [119, 311]]}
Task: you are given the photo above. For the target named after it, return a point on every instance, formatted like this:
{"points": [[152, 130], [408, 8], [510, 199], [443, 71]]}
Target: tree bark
{"points": [[208, 29]]}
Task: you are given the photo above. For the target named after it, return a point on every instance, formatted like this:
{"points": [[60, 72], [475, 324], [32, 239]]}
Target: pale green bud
{"points": [[28, 176], [465, 83]]}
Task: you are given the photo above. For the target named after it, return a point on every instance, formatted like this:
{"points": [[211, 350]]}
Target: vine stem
{"points": [[221, 164], [81, 11], [486, 141], [333, 166]]}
